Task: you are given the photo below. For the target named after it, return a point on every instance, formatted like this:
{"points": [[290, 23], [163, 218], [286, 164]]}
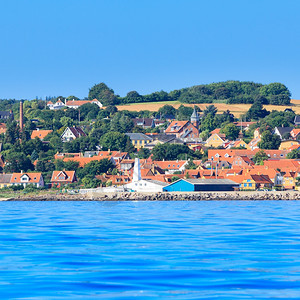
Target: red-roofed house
{"points": [[77, 103], [295, 133], [171, 166], [62, 177], [2, 128], [27, 178], [41, 134], [183, 130]]}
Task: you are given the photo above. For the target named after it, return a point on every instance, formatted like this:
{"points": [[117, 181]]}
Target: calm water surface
{"points": [[148, 250]]}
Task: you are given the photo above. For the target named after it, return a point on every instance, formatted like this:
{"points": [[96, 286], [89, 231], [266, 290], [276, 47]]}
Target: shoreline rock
{"points": [[166, 196]]}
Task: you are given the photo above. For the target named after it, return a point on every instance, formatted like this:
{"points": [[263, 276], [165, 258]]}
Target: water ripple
{"points": [[124, 250]]}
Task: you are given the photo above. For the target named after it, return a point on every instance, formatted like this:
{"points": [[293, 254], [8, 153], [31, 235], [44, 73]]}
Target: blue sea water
{"points": [[149, 250]]}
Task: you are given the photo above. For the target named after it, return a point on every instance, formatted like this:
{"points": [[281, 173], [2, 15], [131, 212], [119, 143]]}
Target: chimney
{"points": [[21, 116]]}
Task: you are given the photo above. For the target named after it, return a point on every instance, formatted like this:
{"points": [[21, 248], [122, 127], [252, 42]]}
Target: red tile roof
{"points": [[41, 134], [67, 176], [33, 177], [175, 126]]}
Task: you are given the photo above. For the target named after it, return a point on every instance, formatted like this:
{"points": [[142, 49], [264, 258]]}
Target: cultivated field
{"points": [[236, 109]]}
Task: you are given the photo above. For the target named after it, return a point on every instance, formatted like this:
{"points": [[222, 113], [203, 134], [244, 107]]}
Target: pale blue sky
{"points": [[64, 47]]}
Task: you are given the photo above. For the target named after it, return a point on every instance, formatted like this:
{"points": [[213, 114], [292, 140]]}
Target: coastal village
{"points": [[73, 145]]}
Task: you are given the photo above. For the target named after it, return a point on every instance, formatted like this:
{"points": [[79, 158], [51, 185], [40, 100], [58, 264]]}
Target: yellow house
{"points": [[241, 143], [5, 180], [139, 140], [285, 145], [215, 140], [255, 181], [248, 184], [289, 180]]}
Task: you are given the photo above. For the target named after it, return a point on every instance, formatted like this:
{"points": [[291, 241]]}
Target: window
{"points": [[250, 184], [245, 184]]}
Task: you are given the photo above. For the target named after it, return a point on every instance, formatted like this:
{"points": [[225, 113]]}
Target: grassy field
{"points": [[236, 109]]}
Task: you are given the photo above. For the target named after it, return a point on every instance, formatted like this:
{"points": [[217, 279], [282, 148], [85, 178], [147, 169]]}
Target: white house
{"points": [[35, 179], [57, 105], [77, 103], [72, 133]]}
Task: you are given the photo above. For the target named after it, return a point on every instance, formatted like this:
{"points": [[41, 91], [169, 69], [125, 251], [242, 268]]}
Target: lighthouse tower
{"points": [[137, 171]]}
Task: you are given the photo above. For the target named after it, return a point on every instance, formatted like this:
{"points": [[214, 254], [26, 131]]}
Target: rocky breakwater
{"points": [[174, 196]]}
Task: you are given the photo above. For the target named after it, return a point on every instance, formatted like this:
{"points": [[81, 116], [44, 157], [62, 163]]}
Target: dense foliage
{"points": [[228, 91]]}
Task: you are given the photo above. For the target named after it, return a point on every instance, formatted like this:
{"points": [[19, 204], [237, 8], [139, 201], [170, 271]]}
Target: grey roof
{"points": [[139, 136], [297, 119], [90, 153], [5, 178], [144, 122], [157, 182], [186, 133], [166, 138], [210, 181], [6, 115], [283, 130]]}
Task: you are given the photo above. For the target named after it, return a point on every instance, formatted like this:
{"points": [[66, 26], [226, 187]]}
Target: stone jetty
{"points": [[172, 196]]}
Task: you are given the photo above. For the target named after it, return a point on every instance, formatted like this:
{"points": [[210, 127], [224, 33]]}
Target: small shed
{"points": [[201, 185]]}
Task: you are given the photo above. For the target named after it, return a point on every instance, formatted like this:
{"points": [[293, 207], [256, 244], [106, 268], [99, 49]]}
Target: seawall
{"points": [[173, 196]]}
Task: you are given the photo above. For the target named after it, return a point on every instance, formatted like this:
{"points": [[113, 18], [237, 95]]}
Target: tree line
{"points": [[228, 92]]}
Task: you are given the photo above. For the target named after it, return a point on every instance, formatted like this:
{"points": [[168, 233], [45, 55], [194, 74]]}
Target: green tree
{"points": [[174, 178], [166, 110], [191, 165], [67, 122], [211, 109], [56, 143], [231, 131], [143, 153], [17, 162], [72, 98], [260, 157], [89, 111], [269, 141], [114, 141], [89, 181], [208, 123], [97, 167], [44, 166], [184, 113], [256, 111], [12, 133], [294, 154], [173, 152], [103, 93]]}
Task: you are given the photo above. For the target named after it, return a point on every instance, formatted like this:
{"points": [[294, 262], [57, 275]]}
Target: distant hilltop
{"points": [[230, 92], [226, 92]]}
